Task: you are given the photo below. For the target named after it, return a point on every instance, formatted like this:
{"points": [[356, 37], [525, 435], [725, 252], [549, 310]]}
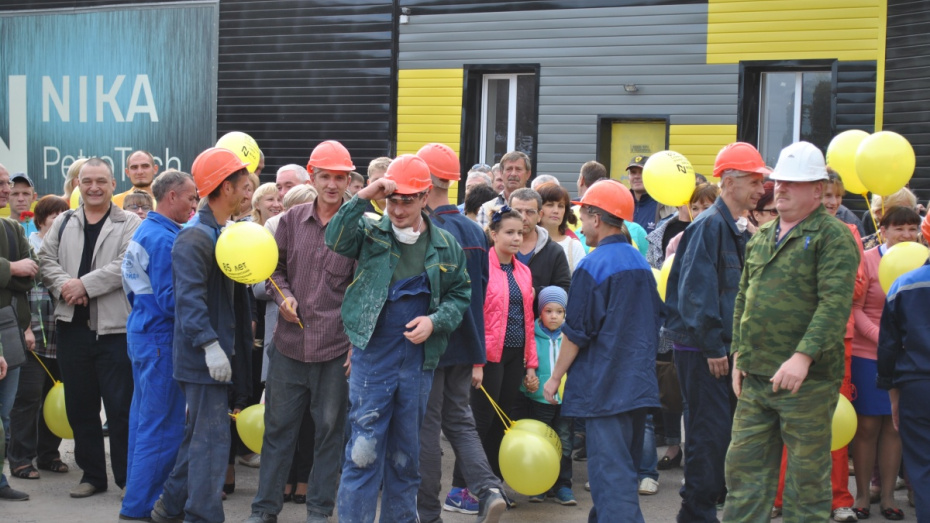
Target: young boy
{"points": [[552, 302]]}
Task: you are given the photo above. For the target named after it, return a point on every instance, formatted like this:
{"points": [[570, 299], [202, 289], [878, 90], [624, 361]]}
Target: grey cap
{"points": [[22, 177]]}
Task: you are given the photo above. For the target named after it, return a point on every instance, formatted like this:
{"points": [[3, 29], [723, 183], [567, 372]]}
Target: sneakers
{"points": [[492, 505], [460, 500], [648, 487], [8, 493], [844, 514], [565, 496], [160, 514], [261, 517], [587, 486], [83, 490], [538, 498], [775, 513], [582, 454], [252, 461]]}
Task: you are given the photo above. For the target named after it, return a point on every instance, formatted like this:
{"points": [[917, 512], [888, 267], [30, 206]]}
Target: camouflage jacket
{"points": [[796, 297]]}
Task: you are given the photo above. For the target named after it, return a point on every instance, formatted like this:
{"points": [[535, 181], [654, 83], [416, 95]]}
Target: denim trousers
{"points": [[194, 487], [915, 440], [8, 387], [92, 367], [156, 422], [449, 410], [551, 415], [293, 387], [707, 432], [389, 391], [30, 437], [649, 461], [3, 481], [615, 444]]}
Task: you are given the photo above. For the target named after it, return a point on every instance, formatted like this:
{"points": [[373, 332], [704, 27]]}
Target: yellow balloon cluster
{"points": [[250, 424], [903, 257], [844, 424], [246, 252], [669, 178], [245, 147], [56, 417], [882, 163]]}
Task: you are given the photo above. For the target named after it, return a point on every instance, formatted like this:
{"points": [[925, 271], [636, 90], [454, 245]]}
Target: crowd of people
{"points": [[392, 309]]}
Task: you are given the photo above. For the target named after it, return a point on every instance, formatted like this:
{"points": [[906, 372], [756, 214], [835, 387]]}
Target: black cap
{"points": [[637, 161], [22, 177]]}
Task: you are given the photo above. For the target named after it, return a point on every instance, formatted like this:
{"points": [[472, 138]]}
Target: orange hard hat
{"points": [[610, 195], [332, 156], [740, 156], [442, 161], [410, 173], [925, 227], [212, 167]]}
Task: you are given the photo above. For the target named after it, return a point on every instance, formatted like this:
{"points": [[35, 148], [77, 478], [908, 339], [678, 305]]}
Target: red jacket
{"points": [[495, 309]]}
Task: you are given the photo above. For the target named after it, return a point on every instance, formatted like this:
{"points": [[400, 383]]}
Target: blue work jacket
{"points": [[147, 278], [704, 280], [613, 315], [904, 338]]}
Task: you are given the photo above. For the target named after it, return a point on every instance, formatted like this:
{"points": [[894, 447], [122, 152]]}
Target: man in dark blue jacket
{"points": [[904, 369], [611, 335], [448, 407], [156, 416], [208, 306], [702, 287]]}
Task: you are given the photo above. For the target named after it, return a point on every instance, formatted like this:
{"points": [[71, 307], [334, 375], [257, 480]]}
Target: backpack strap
{"points": [[64, 223]]}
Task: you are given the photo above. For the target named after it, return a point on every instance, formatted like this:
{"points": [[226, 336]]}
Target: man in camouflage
{"points": [[794, 299]]}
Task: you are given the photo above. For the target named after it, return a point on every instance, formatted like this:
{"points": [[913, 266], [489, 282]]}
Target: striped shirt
{"points": [[317, 278]]}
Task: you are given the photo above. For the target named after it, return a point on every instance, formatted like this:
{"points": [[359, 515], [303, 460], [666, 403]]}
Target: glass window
{"points": [[794, 106], [508, 115]]}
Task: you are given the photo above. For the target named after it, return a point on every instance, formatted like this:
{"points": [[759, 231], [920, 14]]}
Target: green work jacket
{"points": [[796, 297], [372, 243]]}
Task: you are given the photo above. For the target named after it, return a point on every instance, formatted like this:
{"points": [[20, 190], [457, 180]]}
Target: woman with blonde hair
{"points": [[71, 180], [266, 203]]}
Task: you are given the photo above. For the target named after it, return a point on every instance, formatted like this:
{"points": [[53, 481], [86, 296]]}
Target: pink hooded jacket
{"points": [[495, 309]]}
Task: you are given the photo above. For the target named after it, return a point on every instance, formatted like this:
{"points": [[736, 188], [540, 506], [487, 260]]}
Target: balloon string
{"points": [[500, 412], [284, 299], [878, 232], [44, 367], [689, 213]]}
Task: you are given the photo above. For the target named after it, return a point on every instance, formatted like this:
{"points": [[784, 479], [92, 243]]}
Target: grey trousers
{"points": [[449, 408]]}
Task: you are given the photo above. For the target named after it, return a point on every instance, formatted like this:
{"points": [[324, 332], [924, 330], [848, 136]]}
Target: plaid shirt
{"points": [[43, 312]]}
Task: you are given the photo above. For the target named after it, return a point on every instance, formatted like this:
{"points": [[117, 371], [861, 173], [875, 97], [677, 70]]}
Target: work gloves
{"points": [[217, 362]]}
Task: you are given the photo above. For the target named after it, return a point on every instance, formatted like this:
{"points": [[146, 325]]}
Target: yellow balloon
{"points": [[885, 162], [540, 429], [663, 275], [245, 147], [56, 417], [669, 178], [841, 157], [529, 464], [75, 199], [250, 424], [903, 257], [844, 424], [247, 252]]}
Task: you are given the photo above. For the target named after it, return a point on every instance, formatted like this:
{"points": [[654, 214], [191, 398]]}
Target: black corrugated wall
{"points": [[907, 82]]}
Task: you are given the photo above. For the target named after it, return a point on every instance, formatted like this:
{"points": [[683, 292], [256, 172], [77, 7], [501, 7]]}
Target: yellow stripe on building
{"points": [[700, 144], [429, 109], [793, 30]]}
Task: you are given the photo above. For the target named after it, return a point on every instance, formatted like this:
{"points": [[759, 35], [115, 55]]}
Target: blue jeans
{"points": [[915, 440], [552, 415], [92, 367], [8, 386], [650, 460], [615, 445], [195, 486], [707, 430], [389, 391], [156, 422], [293, 386]]}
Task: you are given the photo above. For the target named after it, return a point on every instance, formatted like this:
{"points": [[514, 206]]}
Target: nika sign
{"points": [[105, 82]]}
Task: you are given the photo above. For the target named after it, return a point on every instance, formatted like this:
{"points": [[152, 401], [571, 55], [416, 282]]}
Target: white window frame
{"points": [[511, 111], [798, 100]]}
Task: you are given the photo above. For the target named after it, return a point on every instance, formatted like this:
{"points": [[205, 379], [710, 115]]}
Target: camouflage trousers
{"points": [[763, 422]]}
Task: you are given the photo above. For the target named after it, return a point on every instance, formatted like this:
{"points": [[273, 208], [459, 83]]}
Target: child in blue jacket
{"points": [[548, 329]]}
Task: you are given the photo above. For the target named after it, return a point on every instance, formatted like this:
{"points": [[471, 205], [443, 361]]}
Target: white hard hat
{"points": [[800, 162]]}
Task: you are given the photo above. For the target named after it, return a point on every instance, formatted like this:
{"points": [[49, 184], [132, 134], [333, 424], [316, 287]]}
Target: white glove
{"points": [[217, 362]]}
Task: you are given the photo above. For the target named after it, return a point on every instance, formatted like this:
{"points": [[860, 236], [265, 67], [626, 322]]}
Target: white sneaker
{"points": [[648, 487], [587, 486], [844, 514]]}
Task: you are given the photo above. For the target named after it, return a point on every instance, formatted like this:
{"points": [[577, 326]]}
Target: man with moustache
{"points": [[141, 170], [516, 171]]}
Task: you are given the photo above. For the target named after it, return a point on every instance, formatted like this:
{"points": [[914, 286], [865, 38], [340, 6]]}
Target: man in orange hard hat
{"points": [[307, 365], [213, 322], [410, 290], [701, 295], [611, 335]]}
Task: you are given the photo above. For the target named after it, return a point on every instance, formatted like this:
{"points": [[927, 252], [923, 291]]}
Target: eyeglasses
{"points": [[7, 184], [134, 208], [772, 212]]}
